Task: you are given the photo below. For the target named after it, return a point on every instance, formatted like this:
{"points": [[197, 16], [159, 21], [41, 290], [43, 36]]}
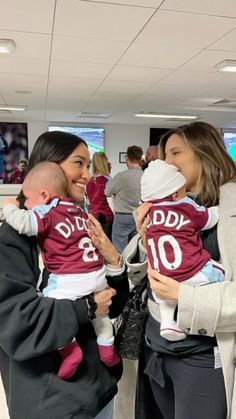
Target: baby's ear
{"points": [[45, 195], [175, 196]]}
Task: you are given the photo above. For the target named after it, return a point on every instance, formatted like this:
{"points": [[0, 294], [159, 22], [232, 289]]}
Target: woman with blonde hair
{"points": [[99, 206]]}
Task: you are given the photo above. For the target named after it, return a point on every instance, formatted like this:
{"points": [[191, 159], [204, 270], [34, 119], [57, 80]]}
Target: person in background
{"points": [[32, 328], [18, 174], [95, 188], [3, 151], [150, 155], [194, 377], [76, 268], [125, 187]]}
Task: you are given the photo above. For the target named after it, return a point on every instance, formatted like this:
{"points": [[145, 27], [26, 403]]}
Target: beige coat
{"points": [[212, 309]]}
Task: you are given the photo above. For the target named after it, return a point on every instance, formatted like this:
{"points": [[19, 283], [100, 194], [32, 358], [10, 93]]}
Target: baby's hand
{"points": [[8, 200]]}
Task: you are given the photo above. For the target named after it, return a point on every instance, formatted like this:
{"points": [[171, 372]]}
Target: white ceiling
{"points": [[118, 57]]}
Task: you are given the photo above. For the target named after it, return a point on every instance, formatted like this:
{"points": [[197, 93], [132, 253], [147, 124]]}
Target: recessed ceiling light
{"points": [[227, 66], [7, 46], [164, 116], [12, 108]]}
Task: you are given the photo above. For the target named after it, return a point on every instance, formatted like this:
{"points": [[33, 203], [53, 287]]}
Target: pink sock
{"points": [[108, 355], [71, 356]]}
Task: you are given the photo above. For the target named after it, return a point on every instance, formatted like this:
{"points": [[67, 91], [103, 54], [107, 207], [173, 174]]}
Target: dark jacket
{"points": [[32, 328]]}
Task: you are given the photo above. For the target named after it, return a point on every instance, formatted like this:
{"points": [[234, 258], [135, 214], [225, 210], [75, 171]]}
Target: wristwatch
{"points": [[92, 306]]}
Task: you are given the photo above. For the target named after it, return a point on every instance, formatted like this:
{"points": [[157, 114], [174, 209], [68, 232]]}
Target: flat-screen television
{"points": [[94, 137], [13, 149], [230, 142], [156, 134]]}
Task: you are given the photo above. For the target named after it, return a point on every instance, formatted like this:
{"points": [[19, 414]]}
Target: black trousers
{"points": [[145, 404], [187, 388]]}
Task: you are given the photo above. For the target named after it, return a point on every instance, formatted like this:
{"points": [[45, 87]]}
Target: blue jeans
{"points": [[1, 164], [106, 412], [123, 229]]}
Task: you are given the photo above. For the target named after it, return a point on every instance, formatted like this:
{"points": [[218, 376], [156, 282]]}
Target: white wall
{"points": [[117, 138]]}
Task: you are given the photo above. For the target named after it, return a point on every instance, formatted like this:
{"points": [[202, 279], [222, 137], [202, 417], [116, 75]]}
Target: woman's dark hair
{"points": [[54, 146]]}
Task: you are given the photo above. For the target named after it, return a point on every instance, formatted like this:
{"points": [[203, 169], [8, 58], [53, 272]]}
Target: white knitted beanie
{"points": [[160, 180]]}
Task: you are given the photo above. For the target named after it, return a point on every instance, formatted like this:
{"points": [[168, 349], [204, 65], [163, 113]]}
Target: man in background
{"points": [[125, 187], [150, 155], [18, 174]]}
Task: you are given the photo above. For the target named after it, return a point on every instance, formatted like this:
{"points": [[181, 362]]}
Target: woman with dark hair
{"points": [[195, 377], [32, 327], [98, 201]]}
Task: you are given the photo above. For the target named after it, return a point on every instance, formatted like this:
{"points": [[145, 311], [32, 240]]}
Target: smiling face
{"points": [[178, 153], [76, 168], [21, 166]]}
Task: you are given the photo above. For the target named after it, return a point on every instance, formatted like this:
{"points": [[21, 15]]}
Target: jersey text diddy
{"points": [[174, 245], [63, 238]]}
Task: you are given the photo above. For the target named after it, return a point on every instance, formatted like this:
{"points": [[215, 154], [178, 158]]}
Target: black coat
{"points": [[33, 327]]}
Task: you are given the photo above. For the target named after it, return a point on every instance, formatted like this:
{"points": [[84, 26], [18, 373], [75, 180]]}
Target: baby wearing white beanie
{"points": [[160, 180], [173, 244]]}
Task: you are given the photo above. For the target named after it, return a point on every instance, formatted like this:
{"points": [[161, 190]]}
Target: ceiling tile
{"points": [[92, 51], [180, 77], [61, 68], [161, 94], [14, 65], [77, 88], [116, 22], [144, 3], [218, 7], [27, 15], [227, 42], [137, 74], [33, 100], [33, 83], [72, 105], [185, 30], [154, 55]]}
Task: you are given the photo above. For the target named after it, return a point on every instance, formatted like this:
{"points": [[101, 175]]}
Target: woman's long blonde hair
{"points": [[217, 167], [100, 164]]}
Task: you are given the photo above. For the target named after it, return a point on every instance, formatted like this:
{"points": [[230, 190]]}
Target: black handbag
{"points": [[130, 325]]}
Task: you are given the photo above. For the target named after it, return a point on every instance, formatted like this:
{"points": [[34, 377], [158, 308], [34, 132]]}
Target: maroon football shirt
{"points": [[64, 241], [174, 246]]}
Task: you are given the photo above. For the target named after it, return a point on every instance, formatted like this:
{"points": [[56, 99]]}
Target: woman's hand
{"points": [[142, 220], [164, 287], [104, 300], [101, 241]]}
